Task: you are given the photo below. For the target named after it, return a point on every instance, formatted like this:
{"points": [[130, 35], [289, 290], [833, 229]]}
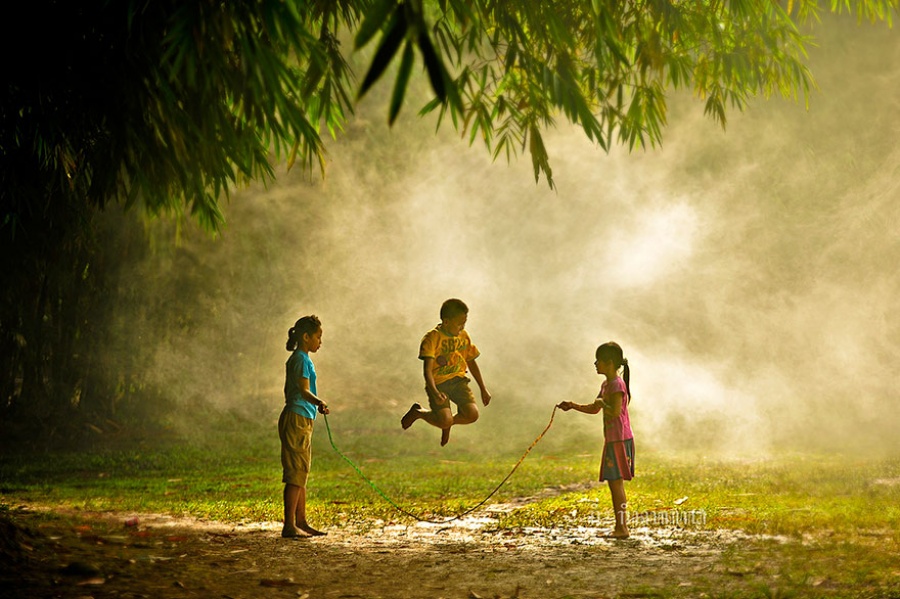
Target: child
{"points": [[446, 352], [617, 461], [295, 426]]}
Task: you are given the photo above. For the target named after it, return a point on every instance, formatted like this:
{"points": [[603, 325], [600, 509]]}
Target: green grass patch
{"points": [[844, 513], [235, 477]]}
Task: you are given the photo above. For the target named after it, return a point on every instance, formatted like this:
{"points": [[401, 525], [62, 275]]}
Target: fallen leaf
{"points": [[682, 500]]}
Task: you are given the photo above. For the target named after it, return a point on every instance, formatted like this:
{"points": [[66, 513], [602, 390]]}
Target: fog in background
{"points": [[750, 275]]}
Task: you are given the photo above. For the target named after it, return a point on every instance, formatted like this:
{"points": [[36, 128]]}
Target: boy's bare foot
{"points": [[445, 436], [293, 533], [312, 531], [411, 416], [618, 535]]}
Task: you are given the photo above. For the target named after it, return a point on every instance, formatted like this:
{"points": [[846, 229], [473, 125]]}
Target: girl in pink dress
{"points": [[617, 462]]}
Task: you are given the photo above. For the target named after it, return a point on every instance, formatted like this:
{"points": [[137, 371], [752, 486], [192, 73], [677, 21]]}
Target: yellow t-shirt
{"points": [[450, 353]]}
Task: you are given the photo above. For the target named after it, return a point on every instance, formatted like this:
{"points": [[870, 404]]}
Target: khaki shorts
{"points": [[456, 389], [295, 433]]}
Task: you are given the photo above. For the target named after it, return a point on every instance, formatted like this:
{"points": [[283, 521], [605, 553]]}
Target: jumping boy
{"points": [[446, 353]]}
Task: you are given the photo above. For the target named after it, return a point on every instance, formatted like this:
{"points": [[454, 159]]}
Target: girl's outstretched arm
{"points": [[587, 408]]}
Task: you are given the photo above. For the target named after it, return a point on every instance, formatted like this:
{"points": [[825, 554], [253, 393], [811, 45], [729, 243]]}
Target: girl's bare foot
{"points": [[445, 436], [312, 532], [292, 532]]}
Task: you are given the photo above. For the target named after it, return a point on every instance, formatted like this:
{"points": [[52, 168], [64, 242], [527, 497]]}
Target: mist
{"points": [[750, 275]]}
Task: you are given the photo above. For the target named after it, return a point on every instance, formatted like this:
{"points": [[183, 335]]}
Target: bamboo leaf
{"points": [[540, 160], [401, 82], [390, 43], [510, 60], [430, 106], [374, 21], [313, 75], [437, 73]]}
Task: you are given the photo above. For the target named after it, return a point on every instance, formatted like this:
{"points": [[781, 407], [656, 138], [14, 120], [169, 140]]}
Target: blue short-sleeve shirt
{"points": [[298, 366]]}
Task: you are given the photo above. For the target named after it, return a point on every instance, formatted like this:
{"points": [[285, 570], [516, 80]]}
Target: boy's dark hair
{"points": [[453, 308], [308, 325], [613, 351]]}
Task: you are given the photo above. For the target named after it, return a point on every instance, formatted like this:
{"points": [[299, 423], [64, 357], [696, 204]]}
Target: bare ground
{"points": [[82, 555]]}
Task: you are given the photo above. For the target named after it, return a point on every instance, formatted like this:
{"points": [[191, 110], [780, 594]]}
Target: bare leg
{"points": [[620, 508], [300, 519], [441, 418], [292, 495], [467, 414]]}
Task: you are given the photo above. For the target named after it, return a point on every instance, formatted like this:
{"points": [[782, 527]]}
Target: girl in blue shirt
{"points": [[295, 425]]}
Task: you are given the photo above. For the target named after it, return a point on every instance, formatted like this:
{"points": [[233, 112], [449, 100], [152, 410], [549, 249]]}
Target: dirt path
{"points": [[104, 555]]}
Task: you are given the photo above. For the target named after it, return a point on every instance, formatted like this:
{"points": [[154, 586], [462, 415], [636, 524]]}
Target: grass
{"points": [[236, 478], [845, 512]]}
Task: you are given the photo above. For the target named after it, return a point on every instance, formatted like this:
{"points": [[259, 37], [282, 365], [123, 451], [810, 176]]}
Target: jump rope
{"points": [[457, 516]]}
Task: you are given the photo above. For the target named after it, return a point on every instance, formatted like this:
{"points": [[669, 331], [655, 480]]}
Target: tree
{"points": [[167, 104], [604, 65], [171, 103]]}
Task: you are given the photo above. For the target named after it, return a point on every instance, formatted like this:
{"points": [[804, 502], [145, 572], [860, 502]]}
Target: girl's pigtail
{"points": [[626, 376], [291, 344]]}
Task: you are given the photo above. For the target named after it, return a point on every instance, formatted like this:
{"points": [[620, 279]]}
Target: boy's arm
{"points": [[476, 374], [430, 386], [309, 396]]}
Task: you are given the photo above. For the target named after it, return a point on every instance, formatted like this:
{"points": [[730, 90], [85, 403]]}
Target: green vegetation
{"points": [[236, 478], [792, 495], [827, 526]]}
